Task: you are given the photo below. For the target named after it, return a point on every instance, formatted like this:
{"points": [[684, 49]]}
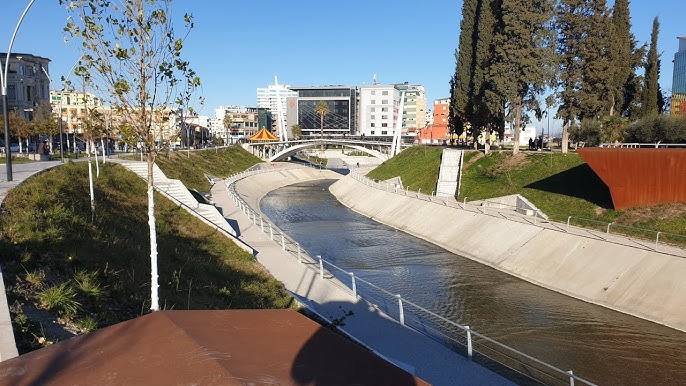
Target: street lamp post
{"points": [[3, 83]]}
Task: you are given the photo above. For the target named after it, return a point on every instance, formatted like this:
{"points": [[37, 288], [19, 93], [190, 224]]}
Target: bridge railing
{"points": [[461, 338], [663, 242]]}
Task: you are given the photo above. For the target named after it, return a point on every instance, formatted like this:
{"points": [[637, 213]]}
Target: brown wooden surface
{"points": [[639, 177], [229, 347]]}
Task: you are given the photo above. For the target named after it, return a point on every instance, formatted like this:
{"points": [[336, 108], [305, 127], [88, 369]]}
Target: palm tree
{"points": [[228, 121], [322, 110]]}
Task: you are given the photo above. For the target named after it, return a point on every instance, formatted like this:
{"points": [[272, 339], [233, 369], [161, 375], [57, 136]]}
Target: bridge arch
{"points": [[290, 151]]}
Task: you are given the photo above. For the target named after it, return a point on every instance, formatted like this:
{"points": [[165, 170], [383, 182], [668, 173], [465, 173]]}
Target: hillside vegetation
{"points": [[561, 185], [60, 263]]}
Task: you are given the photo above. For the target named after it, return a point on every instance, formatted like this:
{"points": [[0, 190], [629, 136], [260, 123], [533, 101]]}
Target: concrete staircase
{"points": [[450, 173], [176, 191]]}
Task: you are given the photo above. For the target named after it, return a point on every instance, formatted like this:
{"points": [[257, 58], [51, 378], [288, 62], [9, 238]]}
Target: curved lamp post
{"points": [[3, 83]]}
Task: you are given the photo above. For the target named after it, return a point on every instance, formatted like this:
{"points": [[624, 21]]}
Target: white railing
{"points": [[540, 219], [459, 337]]}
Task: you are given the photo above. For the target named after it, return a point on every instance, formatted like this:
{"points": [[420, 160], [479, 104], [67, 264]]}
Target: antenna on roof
{"points": [[374, 77]]}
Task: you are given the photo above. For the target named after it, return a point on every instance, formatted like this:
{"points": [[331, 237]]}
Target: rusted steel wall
{"points": [[640, 177]]}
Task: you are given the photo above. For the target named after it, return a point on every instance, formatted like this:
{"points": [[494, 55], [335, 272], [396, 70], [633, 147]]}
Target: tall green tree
{"points": [[472, 108], [595, 89], [462, 90], [524, 55], [133, 57], [621, 53], [571, 28], [651, 87]]}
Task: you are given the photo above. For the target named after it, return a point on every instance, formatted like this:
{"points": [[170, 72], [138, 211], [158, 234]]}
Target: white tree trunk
{"points": [[97, 167], [90, 184], [154, 286], [565, 137], [102, 145]]}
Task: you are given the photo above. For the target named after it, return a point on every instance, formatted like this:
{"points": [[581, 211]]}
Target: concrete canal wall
{"points": [[635, 281]]}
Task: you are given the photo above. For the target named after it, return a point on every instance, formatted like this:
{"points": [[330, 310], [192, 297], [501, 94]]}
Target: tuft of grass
{"points": [[87, 283], [35, 278], [59, 298], [87, 324]]}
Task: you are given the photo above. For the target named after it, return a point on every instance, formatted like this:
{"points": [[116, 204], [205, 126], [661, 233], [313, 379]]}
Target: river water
{"points": [[598, 344]]}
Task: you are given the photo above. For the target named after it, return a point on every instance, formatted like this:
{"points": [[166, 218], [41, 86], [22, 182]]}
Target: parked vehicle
{"points": [[14, 147]]}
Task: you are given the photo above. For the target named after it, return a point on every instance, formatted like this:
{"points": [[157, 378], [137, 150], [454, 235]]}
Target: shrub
{"points": [[59, 298], [87, 282]]}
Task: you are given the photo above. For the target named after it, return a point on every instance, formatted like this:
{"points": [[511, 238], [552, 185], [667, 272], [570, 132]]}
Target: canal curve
{"points": [[598, 344]]}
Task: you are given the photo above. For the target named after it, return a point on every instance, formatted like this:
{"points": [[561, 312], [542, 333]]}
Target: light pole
{"points": [[3, 83], [60, 107]]}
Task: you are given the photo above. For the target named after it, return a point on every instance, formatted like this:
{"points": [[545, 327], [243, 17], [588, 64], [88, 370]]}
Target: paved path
{"points": [[428, 359]]}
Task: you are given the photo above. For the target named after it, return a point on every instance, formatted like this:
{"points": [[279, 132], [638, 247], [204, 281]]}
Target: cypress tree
{"points": [[621, 56], [524, 51], [570, 24], [595, 55], [462, 86], [651, 88]]}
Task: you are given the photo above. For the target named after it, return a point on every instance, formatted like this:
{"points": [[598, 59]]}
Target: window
{"points": [[384, 125], [384, 132], [372, 132], [372, 109], [373, 124], [384, 109], [373, 102], [373, 92], [384, 92], [11, 92], [384, 117], [384, 102], [373, 117]]}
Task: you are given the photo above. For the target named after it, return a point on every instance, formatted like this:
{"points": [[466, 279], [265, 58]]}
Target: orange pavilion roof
{"points": [[263, 135]]}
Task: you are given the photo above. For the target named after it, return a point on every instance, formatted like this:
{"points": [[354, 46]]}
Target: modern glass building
{"points": [[341, 119], [679, 80]]}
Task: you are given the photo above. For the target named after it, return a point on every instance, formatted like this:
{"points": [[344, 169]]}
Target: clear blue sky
{"points": [[238, 46]]}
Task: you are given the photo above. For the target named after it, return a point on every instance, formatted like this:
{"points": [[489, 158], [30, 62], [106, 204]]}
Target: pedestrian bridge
{"points": [[280, 151]]}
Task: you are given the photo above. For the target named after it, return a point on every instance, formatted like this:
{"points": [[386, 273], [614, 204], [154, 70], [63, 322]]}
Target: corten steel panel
{"points": [[640, 177], [231, 347]]}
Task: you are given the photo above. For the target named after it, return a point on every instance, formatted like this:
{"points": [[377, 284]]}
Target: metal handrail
{"points": [[254, 215]]}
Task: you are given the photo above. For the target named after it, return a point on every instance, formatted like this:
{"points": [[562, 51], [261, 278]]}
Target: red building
{"points": [[436, 132]]}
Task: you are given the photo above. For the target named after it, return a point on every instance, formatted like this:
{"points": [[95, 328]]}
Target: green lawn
{"points": [[561, 185], [94, 270]]}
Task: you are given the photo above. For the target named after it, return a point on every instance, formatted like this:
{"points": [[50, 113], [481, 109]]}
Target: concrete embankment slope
{"points": [[635, 281]]}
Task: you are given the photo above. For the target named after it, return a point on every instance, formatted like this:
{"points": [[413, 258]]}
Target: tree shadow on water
{"points": [[580, 182]]}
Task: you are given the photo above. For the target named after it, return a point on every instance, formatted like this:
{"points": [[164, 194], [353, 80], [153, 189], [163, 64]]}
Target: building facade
{"points": [[244, 123], [27, 81], [379, 105], [268, 98], [679, 80], [436, 133], [414, 107], [341, 102]]}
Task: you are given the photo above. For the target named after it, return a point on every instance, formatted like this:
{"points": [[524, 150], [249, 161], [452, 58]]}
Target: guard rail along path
{"points": [[633, 276], [469, 342]]}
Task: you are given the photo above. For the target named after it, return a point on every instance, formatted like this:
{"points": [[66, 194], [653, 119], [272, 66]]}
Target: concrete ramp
{"points": [[450, 173]]}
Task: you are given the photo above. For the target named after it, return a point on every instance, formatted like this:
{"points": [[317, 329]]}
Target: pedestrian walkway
{"points": [[417, 353]]}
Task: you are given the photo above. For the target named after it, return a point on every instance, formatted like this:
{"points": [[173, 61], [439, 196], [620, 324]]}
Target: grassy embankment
{"points": [[561, 185], [61, 263]]}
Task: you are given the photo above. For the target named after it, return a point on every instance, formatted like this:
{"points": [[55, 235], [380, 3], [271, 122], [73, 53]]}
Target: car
{"points": [[14, 147]]}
